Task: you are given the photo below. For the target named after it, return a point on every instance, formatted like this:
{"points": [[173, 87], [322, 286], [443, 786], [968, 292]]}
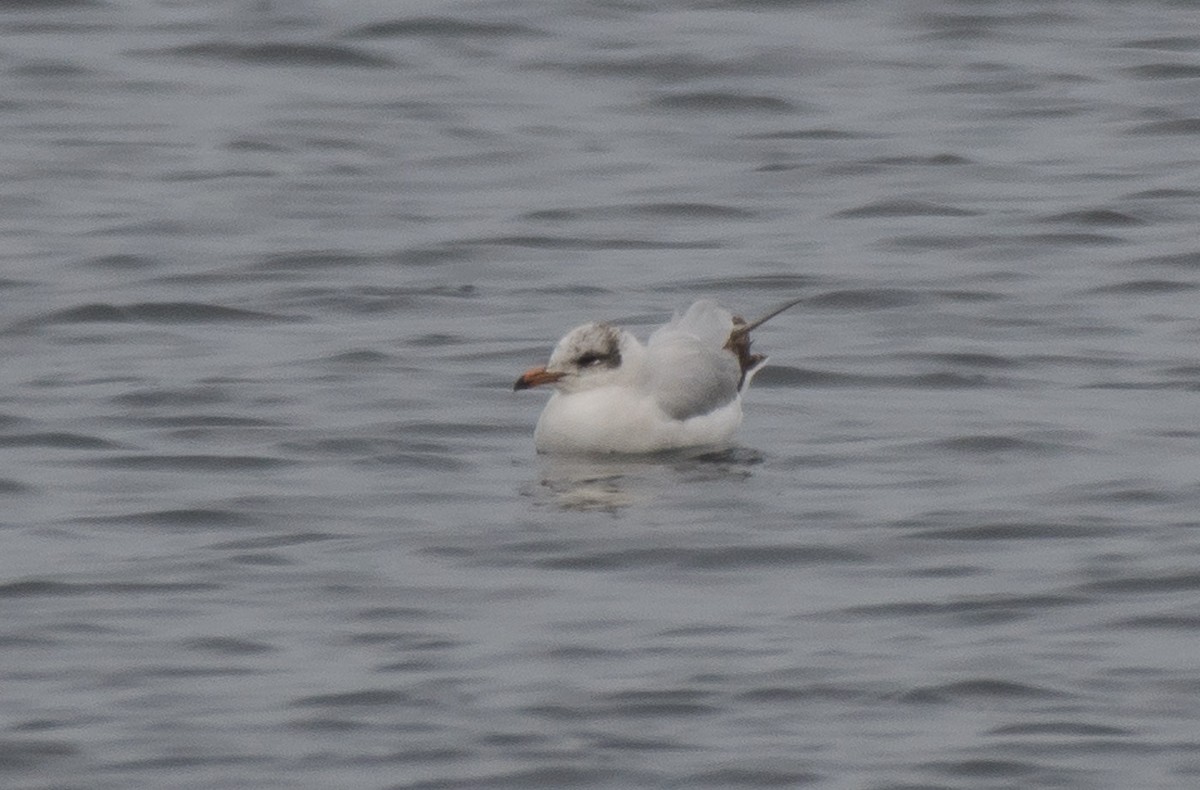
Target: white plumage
{"points": [[612, 394]]}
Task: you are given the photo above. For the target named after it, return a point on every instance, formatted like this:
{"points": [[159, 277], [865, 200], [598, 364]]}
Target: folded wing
{"points": [[691, 372]]}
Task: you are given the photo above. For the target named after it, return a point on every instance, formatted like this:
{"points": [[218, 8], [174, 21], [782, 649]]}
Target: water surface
{"points": [[272, 515]]}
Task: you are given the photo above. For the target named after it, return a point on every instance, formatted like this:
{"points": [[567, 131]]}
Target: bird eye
{"points": [[587, 360]]}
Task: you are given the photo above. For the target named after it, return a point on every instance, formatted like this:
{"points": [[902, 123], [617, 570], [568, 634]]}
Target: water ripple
{"points": [[279, 53]]}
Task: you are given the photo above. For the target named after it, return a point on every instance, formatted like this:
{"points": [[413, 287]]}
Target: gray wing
{"points": [[691, 373]]}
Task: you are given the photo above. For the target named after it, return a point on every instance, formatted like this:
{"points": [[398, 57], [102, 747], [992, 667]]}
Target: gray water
{"points": [[272, 516]]}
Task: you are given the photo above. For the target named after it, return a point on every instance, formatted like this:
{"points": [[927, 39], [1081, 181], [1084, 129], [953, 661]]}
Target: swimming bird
{"points": [[682, 389]]}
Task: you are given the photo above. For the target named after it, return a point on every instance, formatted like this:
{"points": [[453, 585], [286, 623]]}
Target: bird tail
{"points": [[739, 343]]}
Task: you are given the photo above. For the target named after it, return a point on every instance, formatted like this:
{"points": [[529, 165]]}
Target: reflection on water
{"points": [[612, 482]]}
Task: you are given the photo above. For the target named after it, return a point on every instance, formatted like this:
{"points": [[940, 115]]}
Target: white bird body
{"points": [[609, 421], [613, 394]]}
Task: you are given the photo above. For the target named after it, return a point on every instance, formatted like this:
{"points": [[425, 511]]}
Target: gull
{"points": [[682, 389]]}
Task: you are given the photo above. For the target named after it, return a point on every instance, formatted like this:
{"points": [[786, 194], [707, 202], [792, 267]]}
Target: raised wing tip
{"points": [[744, 328], [739, 342]]}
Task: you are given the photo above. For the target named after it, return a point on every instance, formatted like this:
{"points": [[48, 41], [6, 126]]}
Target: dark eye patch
{"points": [[597, 345]]}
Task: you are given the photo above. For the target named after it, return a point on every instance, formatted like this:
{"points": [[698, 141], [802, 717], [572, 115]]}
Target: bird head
{"points": [[590, 356]]}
